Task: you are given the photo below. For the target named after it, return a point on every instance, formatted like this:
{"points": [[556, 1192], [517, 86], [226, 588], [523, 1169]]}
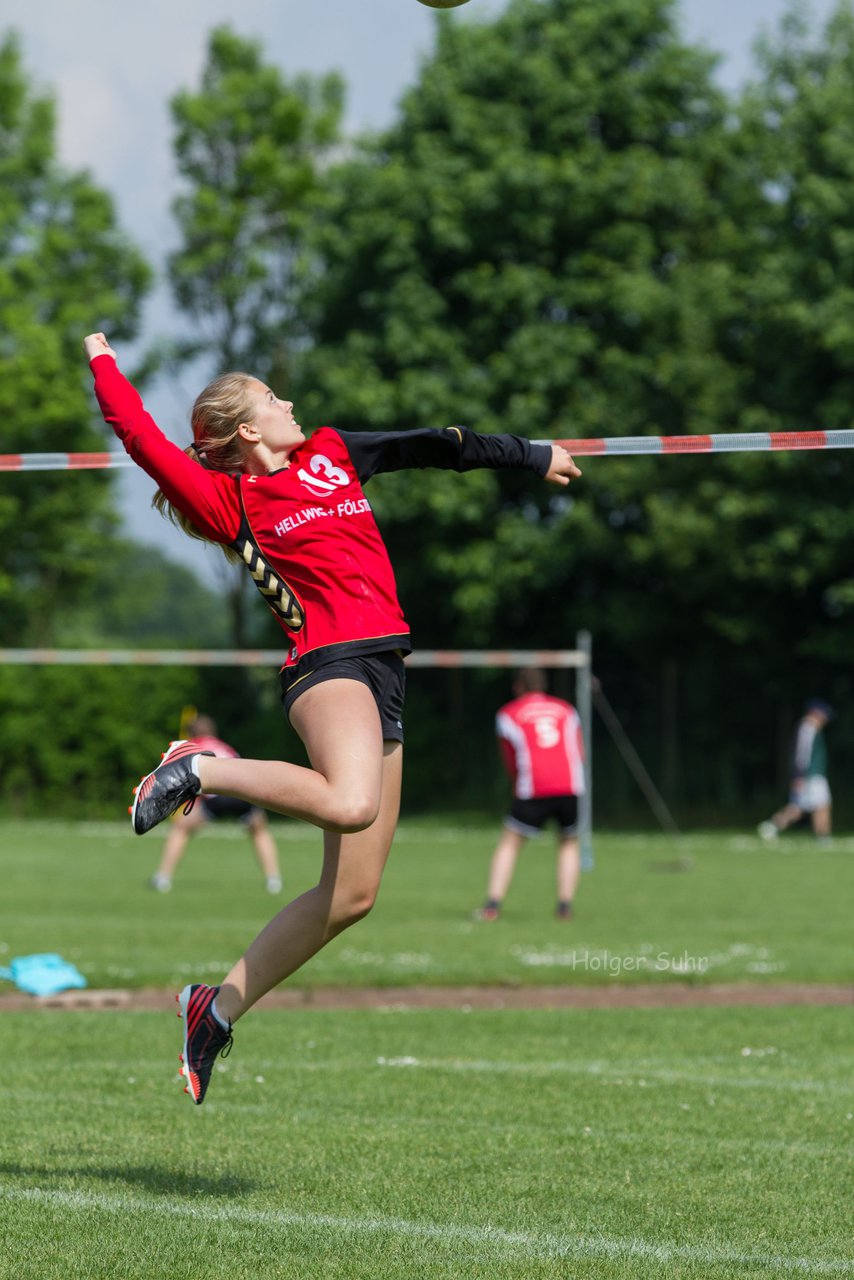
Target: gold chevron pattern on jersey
{"points": [[274, 589]]}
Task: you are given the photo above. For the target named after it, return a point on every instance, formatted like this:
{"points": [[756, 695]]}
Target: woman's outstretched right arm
{"points": [[210, 499]]}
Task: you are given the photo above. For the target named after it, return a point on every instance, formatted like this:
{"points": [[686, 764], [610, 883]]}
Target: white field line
{"points": [[610, 1075], [648, 1078], [539, 1245]]}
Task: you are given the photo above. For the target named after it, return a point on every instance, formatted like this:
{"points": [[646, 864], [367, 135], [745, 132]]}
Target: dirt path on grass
{"points": [[657, 995]]}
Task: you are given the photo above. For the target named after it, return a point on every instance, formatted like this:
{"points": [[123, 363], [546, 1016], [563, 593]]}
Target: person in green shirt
{"points": [[810, 790]]}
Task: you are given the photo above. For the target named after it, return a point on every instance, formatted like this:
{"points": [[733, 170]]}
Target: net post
{"points": [[584, 705]]}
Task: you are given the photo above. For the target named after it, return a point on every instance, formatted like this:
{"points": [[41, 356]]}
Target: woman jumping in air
{"points": [[294, 512]]}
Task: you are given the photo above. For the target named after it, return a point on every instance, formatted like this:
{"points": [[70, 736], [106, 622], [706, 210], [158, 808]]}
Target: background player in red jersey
{"points": [[293, 511], [543, 751], [203, 731]]}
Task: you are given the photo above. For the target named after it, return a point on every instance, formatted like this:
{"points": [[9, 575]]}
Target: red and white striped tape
{"points": [[739, 442], [64, 461], [626, 446]]}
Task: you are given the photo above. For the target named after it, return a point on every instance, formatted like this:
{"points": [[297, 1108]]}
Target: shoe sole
{"points": [[170, 750], [183, 1000]]}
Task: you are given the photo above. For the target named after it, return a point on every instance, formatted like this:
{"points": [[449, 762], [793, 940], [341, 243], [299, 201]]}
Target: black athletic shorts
{"points": [[226, 807], [528, 817], [383, 673]]}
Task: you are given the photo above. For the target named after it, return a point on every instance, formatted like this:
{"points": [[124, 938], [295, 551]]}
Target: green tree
{"points": [[143, 600], [65, 269], [570, 231], [797, 125], [538, 246], [762, 553], [250, 146]]}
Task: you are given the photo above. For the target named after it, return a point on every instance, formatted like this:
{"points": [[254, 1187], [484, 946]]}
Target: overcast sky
{"points": [[114, 67]]}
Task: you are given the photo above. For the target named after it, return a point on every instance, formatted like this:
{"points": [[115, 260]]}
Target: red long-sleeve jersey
{"points": [[306, 532]]}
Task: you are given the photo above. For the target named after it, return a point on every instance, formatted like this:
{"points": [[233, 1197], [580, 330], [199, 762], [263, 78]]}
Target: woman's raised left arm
{"points": [[454, 449]]}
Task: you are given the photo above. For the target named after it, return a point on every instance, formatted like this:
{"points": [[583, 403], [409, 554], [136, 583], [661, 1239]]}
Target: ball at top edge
{"points": [[443, 4]]}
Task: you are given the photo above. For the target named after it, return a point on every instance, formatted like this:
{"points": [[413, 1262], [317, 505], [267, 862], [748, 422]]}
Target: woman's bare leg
{"points": [[341, 791], [821, 822], [174, 846], [265, 847], [353, 862], [787, 816], [568, 868], [503, 864]]}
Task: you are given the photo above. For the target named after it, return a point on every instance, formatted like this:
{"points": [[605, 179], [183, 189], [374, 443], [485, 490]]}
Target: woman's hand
{"points": [[562, 468], [96, 344]]}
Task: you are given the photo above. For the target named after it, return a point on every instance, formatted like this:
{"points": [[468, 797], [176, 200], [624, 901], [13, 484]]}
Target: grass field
{"points": [[386, 1146], [710, 1143], [707, 908]]}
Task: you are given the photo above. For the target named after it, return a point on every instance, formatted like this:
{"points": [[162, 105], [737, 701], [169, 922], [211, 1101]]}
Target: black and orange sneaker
{"points": [[489, 912], [205, 1038], [563, 911], [167, 787]]}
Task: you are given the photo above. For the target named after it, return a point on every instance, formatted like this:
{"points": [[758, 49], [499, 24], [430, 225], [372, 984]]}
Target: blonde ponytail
{"points": [[217, 413]]}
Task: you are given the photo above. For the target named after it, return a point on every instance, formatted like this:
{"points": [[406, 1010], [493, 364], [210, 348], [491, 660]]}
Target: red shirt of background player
{"points": [[542, 746]]}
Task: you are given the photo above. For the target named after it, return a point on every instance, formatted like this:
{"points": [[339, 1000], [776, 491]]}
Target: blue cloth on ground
{"points": [[43, 975]]}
